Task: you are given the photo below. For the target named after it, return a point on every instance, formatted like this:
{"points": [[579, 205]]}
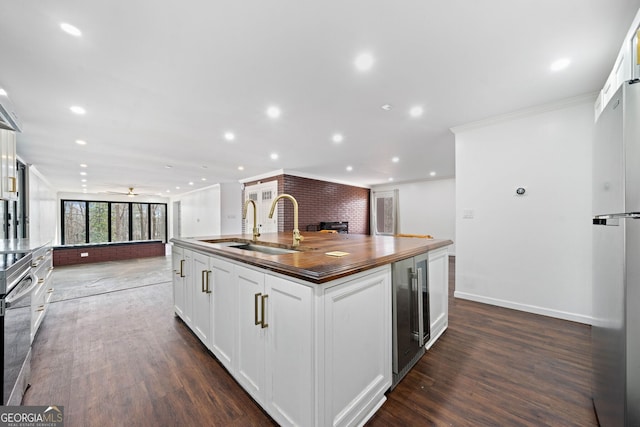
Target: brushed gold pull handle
{"points": [[50, 291], [50, 268], [255, 307], [181, 268], [264, 324], [208, 289], [13, 185], [204, 272], [40, 308], [40, 281]]}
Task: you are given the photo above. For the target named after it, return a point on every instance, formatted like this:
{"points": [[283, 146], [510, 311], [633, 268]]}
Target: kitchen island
{"points": [[306, 330]]}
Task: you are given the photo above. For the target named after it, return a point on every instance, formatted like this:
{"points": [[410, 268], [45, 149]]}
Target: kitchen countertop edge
{"points": [[332, 268]]}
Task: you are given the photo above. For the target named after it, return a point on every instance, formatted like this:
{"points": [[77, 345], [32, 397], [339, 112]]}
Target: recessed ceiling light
{"points": [[560, 64], [432, 174], [83, 180], [240, 168], [274, 156], [203, 179], [273, 112], [76, 109], [3, 92], [70, 29], [84, 185], [387, 107], [395, 159], [364, 61], [168, 191], [177, 188], [168, 166], [349, 168], [416, 111], [81, 142], [83, 173], [83, 165], [337, 138], [390, 178], [190, 182], [229, 136]]}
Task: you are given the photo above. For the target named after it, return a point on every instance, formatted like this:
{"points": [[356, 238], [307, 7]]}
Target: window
{"points": [[74, 224], [384, 212], [140, 221], [119, 222], [97, 222], [158, 221]]}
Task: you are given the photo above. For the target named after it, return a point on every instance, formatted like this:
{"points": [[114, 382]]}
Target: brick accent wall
{"points": [[106, 252], [322, 201]]}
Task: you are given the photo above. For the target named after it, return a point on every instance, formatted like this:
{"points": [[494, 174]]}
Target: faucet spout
{"points": [[256, 233], [297, 238]]}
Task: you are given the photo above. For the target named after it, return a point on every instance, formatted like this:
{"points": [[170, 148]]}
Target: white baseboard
{"points": [[573, 317]]}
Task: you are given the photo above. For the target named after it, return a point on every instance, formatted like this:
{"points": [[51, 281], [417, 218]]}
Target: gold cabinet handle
{"points": [[12, 180], [50, 291], [208, 289], [181, 268], [255, 307], [264, 324], [40, 281]]}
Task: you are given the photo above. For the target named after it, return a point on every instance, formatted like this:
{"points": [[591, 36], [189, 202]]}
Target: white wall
{"points": [[211, 211], [42, 209], [530, 252], [426, 207]]}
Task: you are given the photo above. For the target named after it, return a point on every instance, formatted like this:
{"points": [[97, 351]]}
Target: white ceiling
{"points": [[163, 81]]}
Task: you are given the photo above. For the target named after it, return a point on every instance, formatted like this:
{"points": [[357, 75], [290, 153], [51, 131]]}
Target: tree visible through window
{"points": [[97, 222], [119, 222], [140, 221], [75, 225]]}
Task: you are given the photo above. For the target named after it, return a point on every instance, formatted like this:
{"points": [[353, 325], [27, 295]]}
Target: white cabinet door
{"points": [[289, 348], [223, 311], [189, 284], [9, 184], [250, 348], [438, 272], [201, 298], [178, 261], [357, 348]]}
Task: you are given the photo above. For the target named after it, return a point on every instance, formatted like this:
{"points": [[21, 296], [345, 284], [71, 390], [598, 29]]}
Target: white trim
{"points": [[525, 307], [279, 172], [557, 105]]}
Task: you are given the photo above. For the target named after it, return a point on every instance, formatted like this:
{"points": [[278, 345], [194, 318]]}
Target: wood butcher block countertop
{"points": [[311, 262]]}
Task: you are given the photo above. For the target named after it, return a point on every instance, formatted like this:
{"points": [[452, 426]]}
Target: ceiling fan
{"points": [[129, 193]]}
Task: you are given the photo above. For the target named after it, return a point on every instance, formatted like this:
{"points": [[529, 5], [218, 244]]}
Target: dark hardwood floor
{"points": [[122, 358]]}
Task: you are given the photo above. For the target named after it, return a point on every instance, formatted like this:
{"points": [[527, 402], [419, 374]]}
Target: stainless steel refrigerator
{"points": [[615, 334]]}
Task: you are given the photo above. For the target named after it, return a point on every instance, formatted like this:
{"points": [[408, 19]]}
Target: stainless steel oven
{"points": [[16, 288]]}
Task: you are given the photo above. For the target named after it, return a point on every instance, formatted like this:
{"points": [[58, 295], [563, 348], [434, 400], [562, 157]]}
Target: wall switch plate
{"points": [[84, 254]]}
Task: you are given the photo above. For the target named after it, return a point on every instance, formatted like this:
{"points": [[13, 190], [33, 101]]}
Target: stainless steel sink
{"points": [[263, 249]]}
